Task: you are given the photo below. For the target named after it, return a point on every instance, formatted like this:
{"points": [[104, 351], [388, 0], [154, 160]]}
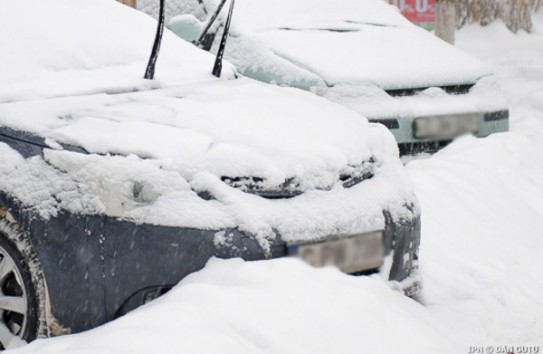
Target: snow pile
{"points": [[237, 307], [67, 47], [482, 202], [482, 207], [482, 215]]}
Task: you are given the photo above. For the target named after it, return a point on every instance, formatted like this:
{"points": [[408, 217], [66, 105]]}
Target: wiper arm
{"points": [[150, 71], [209, 23], [217, 68]]}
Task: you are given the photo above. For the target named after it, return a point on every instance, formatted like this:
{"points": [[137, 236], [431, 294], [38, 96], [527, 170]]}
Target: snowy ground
{"points": [[482, 205]]}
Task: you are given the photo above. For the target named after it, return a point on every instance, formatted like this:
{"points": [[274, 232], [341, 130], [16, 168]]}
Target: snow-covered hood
{"points": [[351, 42], [238, 128]]}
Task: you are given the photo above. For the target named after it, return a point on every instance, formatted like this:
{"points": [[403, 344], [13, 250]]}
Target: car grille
{"points": [[451, 90], [292, 187]]}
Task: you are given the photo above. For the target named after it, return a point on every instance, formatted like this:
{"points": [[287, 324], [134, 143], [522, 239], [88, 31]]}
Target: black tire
{"points": [[21, 280]]}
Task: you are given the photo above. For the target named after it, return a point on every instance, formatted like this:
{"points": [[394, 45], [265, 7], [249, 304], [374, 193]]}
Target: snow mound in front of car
{"points": [[278, 306], [67, 47]]}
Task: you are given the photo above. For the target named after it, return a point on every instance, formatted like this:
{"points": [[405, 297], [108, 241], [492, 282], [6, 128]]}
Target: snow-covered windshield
{"points": [[67, 47], [342, 42]]}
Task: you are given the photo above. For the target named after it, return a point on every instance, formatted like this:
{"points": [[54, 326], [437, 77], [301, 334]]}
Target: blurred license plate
{"points": [[445, 127], [351, 254]]}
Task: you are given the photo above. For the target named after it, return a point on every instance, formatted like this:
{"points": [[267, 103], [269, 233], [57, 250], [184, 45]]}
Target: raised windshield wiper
{"points": [[150, 71], [208, 25], [217, 67]]}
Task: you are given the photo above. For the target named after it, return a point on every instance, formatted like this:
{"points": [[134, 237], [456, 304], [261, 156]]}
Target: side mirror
{"points": [[187, 27]]}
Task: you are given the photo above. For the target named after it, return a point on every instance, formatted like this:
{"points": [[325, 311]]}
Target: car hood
{"points": [[237, 128], [351, 42], [386, 56]]}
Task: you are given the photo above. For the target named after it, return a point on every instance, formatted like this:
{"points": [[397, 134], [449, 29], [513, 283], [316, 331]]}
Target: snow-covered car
{"points": [[113, 187], [362, 54]]}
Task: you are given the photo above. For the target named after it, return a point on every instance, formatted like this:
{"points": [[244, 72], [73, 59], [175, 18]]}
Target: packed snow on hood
{"points": [[317, 37], [480, 258], [152, 154]]}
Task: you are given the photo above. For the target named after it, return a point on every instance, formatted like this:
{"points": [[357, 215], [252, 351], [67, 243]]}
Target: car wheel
{"points": [[22, 289]]}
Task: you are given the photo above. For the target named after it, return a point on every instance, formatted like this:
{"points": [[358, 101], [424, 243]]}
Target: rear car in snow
{"points": [[113, 188], [362, 54]]}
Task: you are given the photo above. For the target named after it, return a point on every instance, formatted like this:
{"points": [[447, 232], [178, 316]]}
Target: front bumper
{"points": [[398, 110], [113, 266], [404, 129]]}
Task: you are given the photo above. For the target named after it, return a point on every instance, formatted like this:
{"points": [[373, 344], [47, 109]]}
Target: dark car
{"points": [[113, 188]]}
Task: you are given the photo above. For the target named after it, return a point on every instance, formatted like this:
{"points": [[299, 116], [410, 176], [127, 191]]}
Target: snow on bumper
{"points": [[113, 186], [482, 106]]}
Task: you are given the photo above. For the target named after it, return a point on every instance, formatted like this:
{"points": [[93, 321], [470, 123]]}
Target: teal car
{"points": [[362, 54]]}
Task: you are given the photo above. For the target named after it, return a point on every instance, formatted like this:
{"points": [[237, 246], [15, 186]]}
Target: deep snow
{"points": [[482, 205]]}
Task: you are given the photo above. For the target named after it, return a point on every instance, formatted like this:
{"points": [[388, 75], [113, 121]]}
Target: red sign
{"points": [[419, 11]]}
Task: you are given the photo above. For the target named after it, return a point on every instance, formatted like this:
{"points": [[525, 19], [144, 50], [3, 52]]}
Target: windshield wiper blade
{"points": [[217, 68], [209, 23], [150, 71]]}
